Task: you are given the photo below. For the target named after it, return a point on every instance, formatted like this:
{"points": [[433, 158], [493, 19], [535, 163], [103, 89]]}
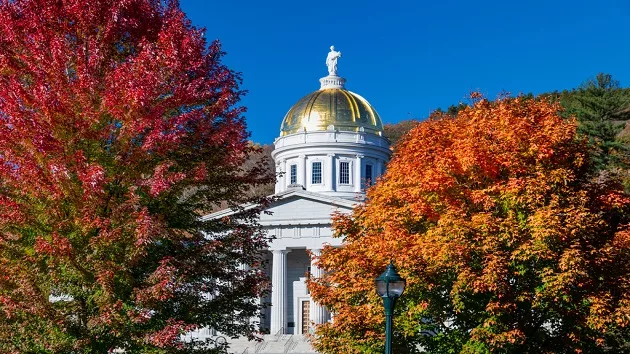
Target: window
{"points": [[344, 172], [316, 173], [369, 179], [293, 174]]}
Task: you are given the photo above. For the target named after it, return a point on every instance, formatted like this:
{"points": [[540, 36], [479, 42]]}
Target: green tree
{"points": [[602, 108]]}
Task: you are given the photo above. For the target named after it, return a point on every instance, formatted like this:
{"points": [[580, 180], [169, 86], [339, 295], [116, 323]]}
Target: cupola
{"points": [[331, 141]]}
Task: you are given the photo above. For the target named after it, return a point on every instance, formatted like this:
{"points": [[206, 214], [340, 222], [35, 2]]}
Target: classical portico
{"points": [[300, 223]]}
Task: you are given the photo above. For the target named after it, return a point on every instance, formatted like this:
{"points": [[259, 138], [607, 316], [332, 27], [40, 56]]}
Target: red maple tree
{"points": [[119, 127]]}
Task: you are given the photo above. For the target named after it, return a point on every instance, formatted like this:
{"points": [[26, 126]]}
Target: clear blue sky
{"points": [[410, 57]]}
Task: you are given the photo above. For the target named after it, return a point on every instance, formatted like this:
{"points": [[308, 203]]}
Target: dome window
{"points": [[344, 172], [316, 173], [293, 174]]}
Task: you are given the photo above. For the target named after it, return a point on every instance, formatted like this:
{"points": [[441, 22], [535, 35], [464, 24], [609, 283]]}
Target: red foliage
{"points": [[119, 125]]}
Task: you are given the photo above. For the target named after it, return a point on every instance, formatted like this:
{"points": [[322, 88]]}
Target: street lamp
{"points": [[389, 286]]}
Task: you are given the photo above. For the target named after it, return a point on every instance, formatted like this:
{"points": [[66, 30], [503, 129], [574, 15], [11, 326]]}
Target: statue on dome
{"points": [[331, 61]]}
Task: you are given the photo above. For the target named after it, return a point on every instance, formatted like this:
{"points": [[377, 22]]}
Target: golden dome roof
{"points": [[346, 110]]}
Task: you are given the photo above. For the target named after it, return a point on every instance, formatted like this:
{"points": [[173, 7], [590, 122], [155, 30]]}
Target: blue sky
{"points": [[410, 57]]}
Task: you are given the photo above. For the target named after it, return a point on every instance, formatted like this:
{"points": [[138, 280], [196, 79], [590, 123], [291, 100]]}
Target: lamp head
{"points": [[390, 284]]}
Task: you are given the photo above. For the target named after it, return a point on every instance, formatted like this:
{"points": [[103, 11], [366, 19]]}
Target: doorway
{"points": [[306, 314]]}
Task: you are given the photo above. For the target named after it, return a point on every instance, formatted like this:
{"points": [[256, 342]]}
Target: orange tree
{"points": [[508, 241]]}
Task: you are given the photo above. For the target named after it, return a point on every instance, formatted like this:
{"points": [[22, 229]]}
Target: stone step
{"points": [[287, 343]]}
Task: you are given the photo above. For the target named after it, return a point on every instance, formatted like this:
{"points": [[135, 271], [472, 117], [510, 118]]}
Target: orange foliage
{"points": [[507, 241]]}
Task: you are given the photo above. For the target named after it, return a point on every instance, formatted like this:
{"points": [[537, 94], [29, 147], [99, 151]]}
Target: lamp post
{"points": [[389, 286]]}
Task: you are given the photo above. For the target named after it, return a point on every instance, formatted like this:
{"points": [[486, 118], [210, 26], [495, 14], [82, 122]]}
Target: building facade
{"points": [[330, 148]]}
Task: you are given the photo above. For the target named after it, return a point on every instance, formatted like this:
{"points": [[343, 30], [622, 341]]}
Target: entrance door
{"points": [[306, 316]]}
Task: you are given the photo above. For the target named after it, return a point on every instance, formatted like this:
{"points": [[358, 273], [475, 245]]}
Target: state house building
{"points": [[330, 147]]}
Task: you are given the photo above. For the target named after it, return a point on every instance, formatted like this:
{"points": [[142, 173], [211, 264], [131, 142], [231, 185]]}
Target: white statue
{"points": [[331, 61]]}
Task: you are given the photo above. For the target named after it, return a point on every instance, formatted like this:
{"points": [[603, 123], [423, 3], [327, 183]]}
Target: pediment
{"points": [[298, 208], [302, 208]]}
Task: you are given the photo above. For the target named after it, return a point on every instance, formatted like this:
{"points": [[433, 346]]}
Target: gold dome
{"points": [[346, 110]]}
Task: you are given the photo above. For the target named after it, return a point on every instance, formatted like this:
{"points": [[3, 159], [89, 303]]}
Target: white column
{"points": [[330, 173], [287, 177], [357, 174], [302, 170], [279, 291], [318, 314], [279, 179]]}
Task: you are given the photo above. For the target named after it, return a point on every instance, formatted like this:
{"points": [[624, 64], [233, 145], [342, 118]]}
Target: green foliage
{"points": [[452, 110], [602, 108]]}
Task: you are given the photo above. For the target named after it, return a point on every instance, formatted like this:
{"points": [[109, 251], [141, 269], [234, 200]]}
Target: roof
{"points": [[343, 109], [284, 196]]}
